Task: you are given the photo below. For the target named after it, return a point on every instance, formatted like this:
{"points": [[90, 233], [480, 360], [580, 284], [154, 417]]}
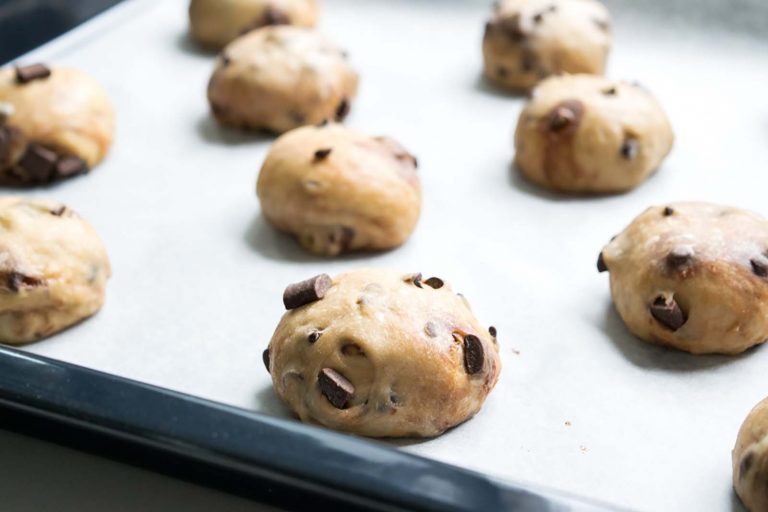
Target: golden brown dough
{"points": [[750, 460]]}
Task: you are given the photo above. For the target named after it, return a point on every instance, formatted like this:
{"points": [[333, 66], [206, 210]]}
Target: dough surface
{"points": [[693, 276], [52, 127], [279, 78], [338, 190], [589, 134], [383, 354], [750, 460], [53, 269], [214, 23], [528, 40]]}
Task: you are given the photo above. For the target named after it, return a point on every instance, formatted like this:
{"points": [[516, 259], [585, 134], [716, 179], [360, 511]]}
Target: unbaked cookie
{"points": [[279, 78], [214, 23], [527, 40], [338, 190], [381, 353], [53, 269], [54, 124], [589, 134], [750, 460], [693, 276]]}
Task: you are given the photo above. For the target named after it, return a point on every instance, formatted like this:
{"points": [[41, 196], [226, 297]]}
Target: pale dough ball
{"points": [[381, 353], [338, 190], [280, 78], [589, 134], [750, 460], [214, 23], [527, 40], [53, 269], [693, 276], [54, 124]]}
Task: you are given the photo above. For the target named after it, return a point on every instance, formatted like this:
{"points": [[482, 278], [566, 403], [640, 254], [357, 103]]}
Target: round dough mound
{"points": [[383, 354], [588, 134], [52, 127], [750, 460], [693, 276], [214, 23], [338, 190], [527, 40], [280, 78], [53, 269]]}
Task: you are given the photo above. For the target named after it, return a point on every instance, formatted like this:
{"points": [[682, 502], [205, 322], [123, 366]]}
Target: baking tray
{"points": [[581, 405]]}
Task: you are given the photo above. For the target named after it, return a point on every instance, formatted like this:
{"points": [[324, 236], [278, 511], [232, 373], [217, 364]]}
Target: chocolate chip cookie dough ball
{"points": [[280, 78], [381, 353], [750, 460], [338, 190], [53, 269], [527, 40], [588, 134], [54, 124], [214, 23], [693, 276]]}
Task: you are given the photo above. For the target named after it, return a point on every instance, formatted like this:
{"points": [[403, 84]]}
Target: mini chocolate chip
{"points": [[610, 91], [538, 17], [502, 72], [305, 292], [492, 331], [394, 398], [342, 110], [314, 336], [265, 357], [335, 387], [474, 354], [603, 25], [414, 278], [342, 236], [322, 123], [679, 256], [25, 74], [512, 27], [566, 116], [630, 148], [273, 16], [431, 329], [667, 313], [39, 162], [297, 117], [70, 166], [746, 463], [15, 281], [668, 211], [58, 212], [320, 154], [225, 59], [601, 266], [434, 282], [759, 268]]}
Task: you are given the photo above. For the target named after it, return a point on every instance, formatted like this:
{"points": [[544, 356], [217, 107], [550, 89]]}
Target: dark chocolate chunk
{"points": [[335, 387], [320, 154], [601, 266], [58, 212], [314, 336], [668, 211], [539, 16], [15, 281], [38, 162], [566, 116], [70, 166], [667, 313], [434, 282], [342, 110], [747, 460], [342, 236], [306, 292], [630, 148], [265, 357], [25, 74], [679, 256], [415, 279], [492, 331], [760, 268], [474, 354]]}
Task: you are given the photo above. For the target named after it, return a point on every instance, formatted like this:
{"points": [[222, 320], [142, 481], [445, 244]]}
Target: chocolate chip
{"points": [[502, 72], [759, 268], [342, 110], [58, 212], [320, 154], [603, 25], [566, 116], [297, 117], [610, 91], [335, 387], [679, 256], [39, 162], [539, 16], [265, 357], [322, 123], [273, 16], [434, 282], [314, 336], [342, 236], [492, 331], [5, 142], [667, 313], [601, 266], [225, 59], [70, 166], [15, 281], [431, 329], [528, 61], [668, 211], [305, 292], [414, 278], [474, 354], [25, 74], [512, 28], [630, 148], [747, 460]]}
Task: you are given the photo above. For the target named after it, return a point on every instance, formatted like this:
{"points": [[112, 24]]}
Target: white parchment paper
{"points": [[581, 405]]}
